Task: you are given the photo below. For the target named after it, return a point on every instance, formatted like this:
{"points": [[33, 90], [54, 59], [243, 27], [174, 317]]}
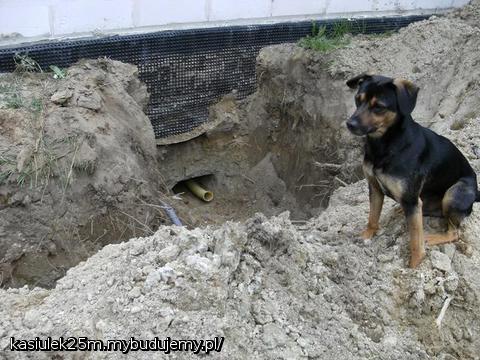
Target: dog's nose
{"points": [[352, 124]]}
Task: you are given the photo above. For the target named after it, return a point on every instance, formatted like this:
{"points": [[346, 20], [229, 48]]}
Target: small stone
{"points": [[92, 101], [199, 263], [61, 97], [101, 325], [27, 200], [449, 250], [135, 293], [169, 253], [468, 250], [451, 283], [476, 151], [302, 342], [274, 336], [152, 280], [137, 250], [30, 319], [468, 334], [384, 258], [390, 341], [457, 333], [416, 69], [260, 315], [16, 199], [135, 309], [430, 288], [441, 261], [376, 333], [167, 274], [418, 298]]}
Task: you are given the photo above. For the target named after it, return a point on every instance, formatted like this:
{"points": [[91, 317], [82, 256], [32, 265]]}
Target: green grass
{"points": [[7, 167], [36, 106], [87, 167], [5, 88], [14, 101], [30, 175], [324, 41], [25, 64]]}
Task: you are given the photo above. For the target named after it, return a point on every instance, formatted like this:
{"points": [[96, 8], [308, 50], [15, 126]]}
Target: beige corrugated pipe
{"points": [[198, 191]]}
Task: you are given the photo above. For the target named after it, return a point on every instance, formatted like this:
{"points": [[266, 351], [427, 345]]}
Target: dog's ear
{"points": [[381, 80], [357, 80], [406, 95]]}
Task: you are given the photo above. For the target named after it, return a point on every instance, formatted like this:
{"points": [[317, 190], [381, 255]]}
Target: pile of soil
{"points": [[77, 166], [272, 289]]}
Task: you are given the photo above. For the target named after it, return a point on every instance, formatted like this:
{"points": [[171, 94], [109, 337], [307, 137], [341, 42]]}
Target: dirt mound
{"points": [[273, 290], [77, 162], [439, 55]]}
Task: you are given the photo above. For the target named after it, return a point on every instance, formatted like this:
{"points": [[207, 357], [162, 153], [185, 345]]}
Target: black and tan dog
{"points": [[419, 169]]}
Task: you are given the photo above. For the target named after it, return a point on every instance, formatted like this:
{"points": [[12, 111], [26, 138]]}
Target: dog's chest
{"points": [[391, 186]]}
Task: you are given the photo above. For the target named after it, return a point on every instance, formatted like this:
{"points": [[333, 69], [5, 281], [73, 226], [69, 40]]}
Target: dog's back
{"points": [[443, 163]]}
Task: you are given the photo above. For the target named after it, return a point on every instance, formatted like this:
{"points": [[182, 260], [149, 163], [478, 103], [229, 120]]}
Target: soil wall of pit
{"points": [[285, 147]]}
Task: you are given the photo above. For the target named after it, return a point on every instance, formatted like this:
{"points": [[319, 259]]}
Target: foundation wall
{"points": [[24, 20]]}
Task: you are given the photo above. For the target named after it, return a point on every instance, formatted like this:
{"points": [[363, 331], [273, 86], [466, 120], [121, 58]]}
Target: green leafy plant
{"points": [[57, 72]]}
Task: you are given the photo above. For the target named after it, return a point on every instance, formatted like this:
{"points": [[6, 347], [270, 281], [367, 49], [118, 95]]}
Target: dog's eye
{"points": [[378, 108]]}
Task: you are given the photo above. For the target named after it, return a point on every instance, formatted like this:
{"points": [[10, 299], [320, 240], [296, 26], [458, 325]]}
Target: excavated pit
{"points": [[80, 168], [283, 148]]}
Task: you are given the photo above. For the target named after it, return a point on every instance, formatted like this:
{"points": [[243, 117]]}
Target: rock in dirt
{"points": [[441, 261], [61, 97]]}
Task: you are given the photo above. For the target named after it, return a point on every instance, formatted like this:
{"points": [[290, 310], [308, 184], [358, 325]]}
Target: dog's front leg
{"points": [[413, 212], [376, 197]]}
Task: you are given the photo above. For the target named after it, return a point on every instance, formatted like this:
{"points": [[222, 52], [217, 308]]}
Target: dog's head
{"points": [[381, 102]]}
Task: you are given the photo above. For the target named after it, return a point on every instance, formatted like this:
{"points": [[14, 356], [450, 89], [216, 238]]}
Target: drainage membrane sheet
{"points": [[188, 70]]}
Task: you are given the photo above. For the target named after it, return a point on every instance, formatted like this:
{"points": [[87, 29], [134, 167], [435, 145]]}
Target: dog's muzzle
{"points": [[356, 127]]}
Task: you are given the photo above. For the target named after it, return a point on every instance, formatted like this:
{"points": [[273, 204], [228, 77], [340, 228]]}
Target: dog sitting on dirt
{"points": [[409, 163]]}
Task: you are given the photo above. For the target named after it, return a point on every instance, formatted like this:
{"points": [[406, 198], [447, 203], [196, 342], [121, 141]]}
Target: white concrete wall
{"points": [[37, 19]]}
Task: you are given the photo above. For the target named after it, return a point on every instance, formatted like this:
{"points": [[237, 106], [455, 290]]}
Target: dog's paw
{"points": [[368, 234]]}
